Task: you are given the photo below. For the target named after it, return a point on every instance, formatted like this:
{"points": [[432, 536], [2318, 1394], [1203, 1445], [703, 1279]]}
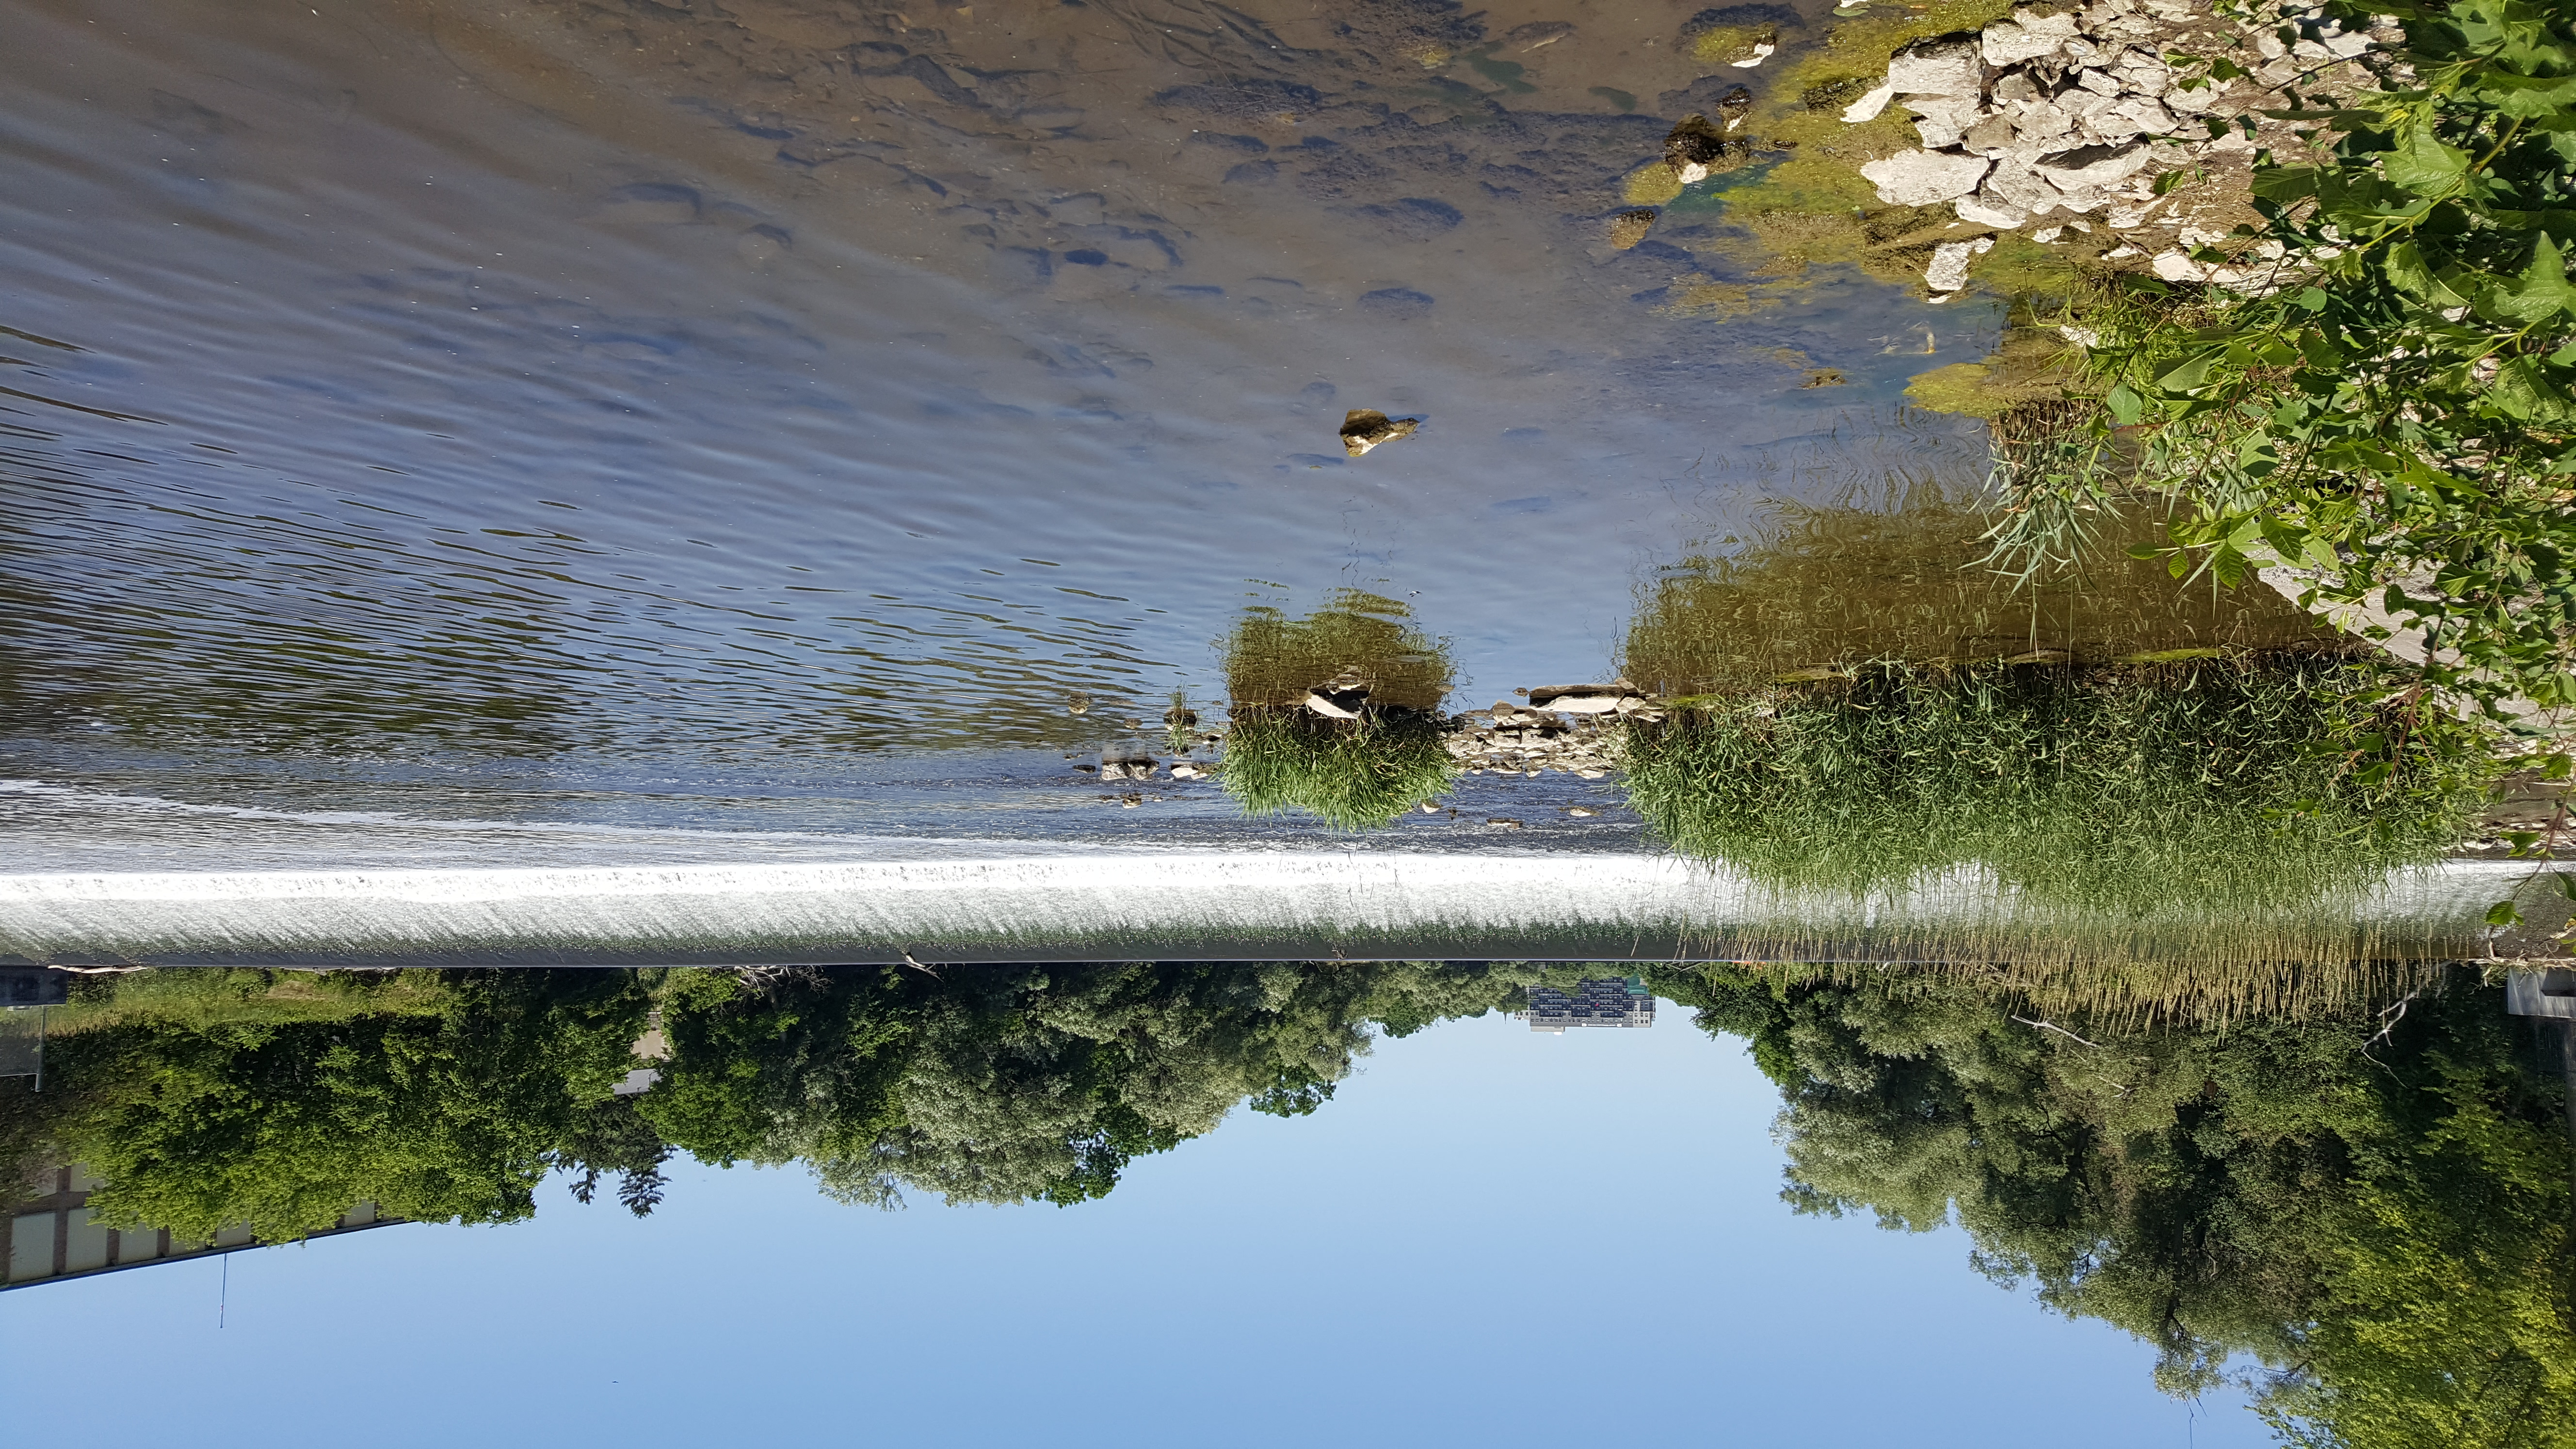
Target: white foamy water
{"points": [[1166, 903]]}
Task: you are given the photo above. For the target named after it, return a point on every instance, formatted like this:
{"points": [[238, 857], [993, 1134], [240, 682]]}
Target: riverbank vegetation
{"points": [[2190, 812], [2382, 401]]}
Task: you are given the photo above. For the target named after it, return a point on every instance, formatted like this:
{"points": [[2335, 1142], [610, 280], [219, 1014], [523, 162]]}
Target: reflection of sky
{"points": [[443, 411], [1489, 1237]]}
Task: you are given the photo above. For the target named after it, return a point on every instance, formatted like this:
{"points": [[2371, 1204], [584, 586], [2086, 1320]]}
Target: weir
{"points": [[1164, 905]]}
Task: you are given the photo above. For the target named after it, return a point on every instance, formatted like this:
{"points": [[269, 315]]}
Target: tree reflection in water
{"points": [[2362, 1211]]}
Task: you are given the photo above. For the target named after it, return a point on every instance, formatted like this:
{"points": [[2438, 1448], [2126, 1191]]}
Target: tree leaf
{"points": [[2502, 913], [2541, 292], [2424, 165], [2191, 374]]}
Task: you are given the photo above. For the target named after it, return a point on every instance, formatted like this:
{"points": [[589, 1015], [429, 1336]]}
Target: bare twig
{"points": [[2389, 1016], [2061, 1031]]}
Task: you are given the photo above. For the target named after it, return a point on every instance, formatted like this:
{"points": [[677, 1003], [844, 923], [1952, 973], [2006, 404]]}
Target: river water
{"points": [[657, 415]]}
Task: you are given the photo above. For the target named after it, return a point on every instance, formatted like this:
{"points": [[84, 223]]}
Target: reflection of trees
{"points": [[1380, 673], [208, 1098], [1013, 1083], [1894, 578], [2381, 1222]]}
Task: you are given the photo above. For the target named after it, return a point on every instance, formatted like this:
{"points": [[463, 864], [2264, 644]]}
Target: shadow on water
{"points": [[2364, 1212]]}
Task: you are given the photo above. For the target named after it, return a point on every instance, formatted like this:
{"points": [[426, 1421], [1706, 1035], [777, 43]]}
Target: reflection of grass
{"points": [[2150, 811], [1350, 773], [1840, 585], [1356, 638]]}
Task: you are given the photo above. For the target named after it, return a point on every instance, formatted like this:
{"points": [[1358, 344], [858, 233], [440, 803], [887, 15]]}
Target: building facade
{"points": [[47, 1235], [1614, 1001]]}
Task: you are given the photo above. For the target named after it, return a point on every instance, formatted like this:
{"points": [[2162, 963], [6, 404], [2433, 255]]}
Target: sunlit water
{"points": [[405, 389]]}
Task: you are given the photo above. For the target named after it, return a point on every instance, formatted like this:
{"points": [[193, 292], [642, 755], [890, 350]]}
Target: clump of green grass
{"points": [[2125, 812], [1353, 774]]}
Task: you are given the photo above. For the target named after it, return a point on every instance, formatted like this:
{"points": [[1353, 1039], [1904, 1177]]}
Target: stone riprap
{"points": [[2053, 120]]}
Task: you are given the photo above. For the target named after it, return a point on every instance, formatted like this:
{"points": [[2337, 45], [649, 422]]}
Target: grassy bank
{"points": [[2191, 810]]}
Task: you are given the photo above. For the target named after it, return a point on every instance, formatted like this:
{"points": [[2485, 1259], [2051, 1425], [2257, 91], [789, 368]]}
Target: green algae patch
{"points": [[2020, 267], [1735, 45], [1652, 184], [2031, 365], [1700, 298], [1961, 387]]}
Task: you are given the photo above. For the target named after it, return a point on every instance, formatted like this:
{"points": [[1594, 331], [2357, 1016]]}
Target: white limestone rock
{"points": [[1984, 210], [1938, 68], [2176, 267], [1925, 178], [1868, 106], [2094, 168], [2026, 37], [2014, 183], [1949, 269], [1942, 121]]}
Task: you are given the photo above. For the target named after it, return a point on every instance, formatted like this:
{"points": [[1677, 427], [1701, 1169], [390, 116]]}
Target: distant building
{"points": [[2548, 992], [1615, 1001], [48, 1236]]}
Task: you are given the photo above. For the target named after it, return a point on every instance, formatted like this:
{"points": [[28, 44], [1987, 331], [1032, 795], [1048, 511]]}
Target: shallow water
{"points": [[486, 394]]}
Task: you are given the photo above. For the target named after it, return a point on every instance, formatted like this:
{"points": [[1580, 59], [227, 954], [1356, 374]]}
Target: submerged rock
{"points": [[1366, 428], [1537, 33], [1630, 227], [1698, 148]]}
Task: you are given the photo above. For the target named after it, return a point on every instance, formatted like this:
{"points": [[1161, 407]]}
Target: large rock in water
{"points": [[1925, 178], [1366, 428]]}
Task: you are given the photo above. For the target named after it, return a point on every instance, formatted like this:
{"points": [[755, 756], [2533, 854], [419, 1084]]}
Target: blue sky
{"points": [[1489, 1237]]}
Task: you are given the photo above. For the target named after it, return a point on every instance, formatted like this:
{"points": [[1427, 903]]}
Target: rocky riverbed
{"points": [[1562, 729], [2081, 126]]}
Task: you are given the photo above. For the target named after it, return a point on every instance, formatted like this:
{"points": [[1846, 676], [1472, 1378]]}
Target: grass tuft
{"points": [[1352, 774]]}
